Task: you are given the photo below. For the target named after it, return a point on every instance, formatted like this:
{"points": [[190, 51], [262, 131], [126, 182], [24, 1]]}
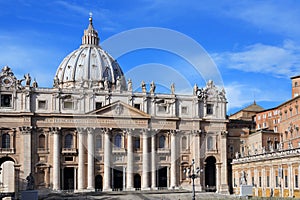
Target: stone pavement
{"points": [[138, 195]]}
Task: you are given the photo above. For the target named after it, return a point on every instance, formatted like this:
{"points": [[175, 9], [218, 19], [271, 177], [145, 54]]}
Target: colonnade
{"points": [[149, 160]]}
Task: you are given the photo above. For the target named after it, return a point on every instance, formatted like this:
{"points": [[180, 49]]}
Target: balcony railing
{"points": [[163, 150], [119, 150], [7, 150], [69, 150]]}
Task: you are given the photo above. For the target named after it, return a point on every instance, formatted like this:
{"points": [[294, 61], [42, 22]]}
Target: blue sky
{"points": [[254, 44]]}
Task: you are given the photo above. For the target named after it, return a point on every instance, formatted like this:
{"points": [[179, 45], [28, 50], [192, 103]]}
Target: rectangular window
{"points": [[184, 110], [137, 106], [209, 109], [162, 108], [98, 105], [276, 181], [41, 104], [286, 184], [6, 100], [252, 180], [259, 181], [268, 181], [68, 105], [296, 181], [69, 158], [137, 143]]}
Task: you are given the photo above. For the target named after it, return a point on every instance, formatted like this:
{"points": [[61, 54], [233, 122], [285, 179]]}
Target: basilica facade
{"points": [[92, 131]]}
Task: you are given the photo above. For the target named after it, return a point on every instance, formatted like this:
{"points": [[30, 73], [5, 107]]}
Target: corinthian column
{"points": [[153, 161], [145, 172], [91, 164], [81, 176], [26, 134], [129, 175], [107, 160], [173, 160], [56, 159]]}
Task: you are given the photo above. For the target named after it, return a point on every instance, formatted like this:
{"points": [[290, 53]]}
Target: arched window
{"points": [[5, 141], [183, 143], [98, 142], [209, 143], [42, 141], [118, 141], [162, 141], [69, 141]]}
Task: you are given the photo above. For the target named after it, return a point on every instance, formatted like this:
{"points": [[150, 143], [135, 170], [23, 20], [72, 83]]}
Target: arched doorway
{"points": [[137, 181], [98, 183], [210, 174], [7, 175]]}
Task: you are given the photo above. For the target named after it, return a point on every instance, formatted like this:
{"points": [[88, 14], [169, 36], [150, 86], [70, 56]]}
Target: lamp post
{"points": [[193, 174]]}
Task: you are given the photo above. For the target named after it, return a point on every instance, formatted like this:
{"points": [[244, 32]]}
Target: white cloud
{"points": [[281, 60], [240, 95]]}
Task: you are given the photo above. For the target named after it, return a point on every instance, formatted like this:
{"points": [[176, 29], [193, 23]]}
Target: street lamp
{"points": [[193, 174]]}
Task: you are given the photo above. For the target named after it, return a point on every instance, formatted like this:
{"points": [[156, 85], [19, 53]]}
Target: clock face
{"points": [[7, 81]]}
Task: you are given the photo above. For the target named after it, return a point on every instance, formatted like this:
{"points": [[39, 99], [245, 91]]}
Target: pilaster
{"points": [[27, 150]]}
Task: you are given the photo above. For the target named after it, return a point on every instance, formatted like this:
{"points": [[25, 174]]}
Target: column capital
{"points": [[173, 132], [25, 129], [224, 134], [197, 133], [91, 130], [106, 130], [129, 131], [54, 130]]}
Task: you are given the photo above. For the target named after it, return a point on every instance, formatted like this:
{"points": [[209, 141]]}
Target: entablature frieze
{"points": [[93, 122]]}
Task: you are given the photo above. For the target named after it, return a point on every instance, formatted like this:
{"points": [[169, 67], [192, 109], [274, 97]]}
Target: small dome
{"points": [[90, 66]]}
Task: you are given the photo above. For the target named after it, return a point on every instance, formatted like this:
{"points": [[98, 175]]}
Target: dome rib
{"points": [[88, 66]]}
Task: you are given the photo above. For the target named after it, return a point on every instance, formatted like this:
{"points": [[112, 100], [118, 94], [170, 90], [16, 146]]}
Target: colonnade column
{"points": [[145, 172], [56, 159], [91, 164], [173, 183], [107, 162], [129, 183], [153, 161], [81, 167]]}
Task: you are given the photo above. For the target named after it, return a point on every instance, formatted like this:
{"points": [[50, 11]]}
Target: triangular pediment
{"points": [[120, 109]]}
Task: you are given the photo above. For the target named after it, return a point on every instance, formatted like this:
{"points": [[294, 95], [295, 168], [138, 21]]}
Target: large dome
{"points": [[90, 66]]}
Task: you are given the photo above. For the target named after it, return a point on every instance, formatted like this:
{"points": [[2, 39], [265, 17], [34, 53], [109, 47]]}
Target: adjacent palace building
{"points": [[92, 132], [269, 155]]}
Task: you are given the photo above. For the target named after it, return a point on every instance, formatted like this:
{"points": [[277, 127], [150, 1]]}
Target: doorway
{"points": [[68, 178], [137, 181], [210, 174], [118, 179], [163, 177], [98, 183]]}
